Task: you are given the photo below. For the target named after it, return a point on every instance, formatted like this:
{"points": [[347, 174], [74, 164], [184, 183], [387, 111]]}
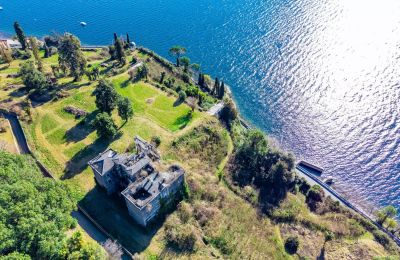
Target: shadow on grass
{"points": [[72, 85], [184, 120], [81, 130], [178, 102], [126, 83], [112, 214], [79, 161]]}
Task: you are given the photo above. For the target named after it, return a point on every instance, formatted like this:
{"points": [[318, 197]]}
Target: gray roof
{"points": [[104, 161], [142, 192]]}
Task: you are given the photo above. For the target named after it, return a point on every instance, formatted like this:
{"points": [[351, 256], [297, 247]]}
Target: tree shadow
{"points": [[20, 92], [183, 121], [72, 85], [79, 161], [82, 129], [126, 83], [178, 102]]}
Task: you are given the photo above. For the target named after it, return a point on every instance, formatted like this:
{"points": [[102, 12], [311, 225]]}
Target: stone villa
{"points": [[136, 179]]}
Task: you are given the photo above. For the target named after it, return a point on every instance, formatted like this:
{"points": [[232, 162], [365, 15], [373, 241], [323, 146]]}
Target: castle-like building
{"points": [[135, 178]]}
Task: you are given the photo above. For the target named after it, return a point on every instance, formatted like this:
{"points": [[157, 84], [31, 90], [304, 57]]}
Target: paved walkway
{"points": [[214, 110]]}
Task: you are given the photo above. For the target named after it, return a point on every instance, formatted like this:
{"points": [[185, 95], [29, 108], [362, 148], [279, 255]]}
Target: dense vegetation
{"points": [[35, 215]]}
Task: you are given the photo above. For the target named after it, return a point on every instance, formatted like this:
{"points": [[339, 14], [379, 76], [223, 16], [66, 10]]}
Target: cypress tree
{"points": [[46, 51], [119, 50], [222, 91], [128, 41], [216, 87], [115, 38], [200, 80], [20, 34]]}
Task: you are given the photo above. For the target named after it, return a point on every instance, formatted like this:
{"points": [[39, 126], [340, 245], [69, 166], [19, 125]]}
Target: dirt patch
{"points": [[150, 100], [352, 250]]}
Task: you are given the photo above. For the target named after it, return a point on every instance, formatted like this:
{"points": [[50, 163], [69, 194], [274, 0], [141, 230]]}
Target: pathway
{"points": [[214, 110]]}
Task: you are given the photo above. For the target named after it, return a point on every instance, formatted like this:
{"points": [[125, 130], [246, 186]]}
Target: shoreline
{"points": [[245, 123]]}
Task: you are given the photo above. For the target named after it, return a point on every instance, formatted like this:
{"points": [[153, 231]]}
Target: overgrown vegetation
{"points": [[36, 215]]}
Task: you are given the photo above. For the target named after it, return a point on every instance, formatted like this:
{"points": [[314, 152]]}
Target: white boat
{"points": [[1, 8], [83, 23]]}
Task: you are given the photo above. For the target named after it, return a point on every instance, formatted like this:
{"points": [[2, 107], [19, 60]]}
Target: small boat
{"points": [[83, 24], [1, 8], [329, 181]]}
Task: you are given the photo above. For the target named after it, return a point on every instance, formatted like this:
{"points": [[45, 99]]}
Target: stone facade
{"points": [[142, 186]]}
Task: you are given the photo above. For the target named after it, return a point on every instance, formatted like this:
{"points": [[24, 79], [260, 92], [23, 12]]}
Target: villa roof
{"points": [[143, 192], [104, 161]]}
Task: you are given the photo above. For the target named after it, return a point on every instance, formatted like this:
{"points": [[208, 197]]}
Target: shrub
{"points": [[381, 238], [186, 78], [204, 213], [185, 211], [156, 140], [181, 236], [315, 197], [291, 245]]}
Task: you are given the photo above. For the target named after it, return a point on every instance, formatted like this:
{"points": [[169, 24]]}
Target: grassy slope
{"points": [[7, 138], [65, 146]]}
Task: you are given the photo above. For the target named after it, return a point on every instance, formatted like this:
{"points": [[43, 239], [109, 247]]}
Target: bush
{"points": [[381, 238], [156, 140], [186, 78], [181, 236], [291, 245]]}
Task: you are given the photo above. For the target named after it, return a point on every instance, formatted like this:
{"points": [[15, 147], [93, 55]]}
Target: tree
{"points": [[32, 78], [20, 35], [315, 197], [119, 51], [125, 109], [128, 41], [185, 61], [177, 52], [215, 90], [47, 52], [71, 56], [35, 50], [36, 213], [106, 96], [6, 54], [104, 126], [142, 72], [162, 77], [229, 112], [200, 81], [291, 245], [386, 213], [221, 92], [195, 67]]}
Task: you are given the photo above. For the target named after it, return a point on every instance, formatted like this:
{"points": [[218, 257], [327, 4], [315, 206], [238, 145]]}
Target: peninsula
{"points": [[82, 107]]}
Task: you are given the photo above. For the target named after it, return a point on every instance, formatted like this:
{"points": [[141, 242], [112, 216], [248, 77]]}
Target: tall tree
{"points": [[221, 93], [386, 213], [119, 51], [46, 51], [177, 52], [185, 61], [106, 96], [128, 41], [6, 54], [20, 35], [71, 56], [215, 90], [104, 126], [36, 54], [125, 108], [32, 78]]}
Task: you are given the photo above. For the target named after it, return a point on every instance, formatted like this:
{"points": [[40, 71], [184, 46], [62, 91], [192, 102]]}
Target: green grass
{"points": [[155, 104], [48, 123]]}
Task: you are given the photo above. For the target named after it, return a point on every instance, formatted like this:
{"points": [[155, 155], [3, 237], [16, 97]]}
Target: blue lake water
{"points": [[321, 77]]}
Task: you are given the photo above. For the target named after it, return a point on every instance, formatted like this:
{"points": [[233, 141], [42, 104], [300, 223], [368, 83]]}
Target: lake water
{"points": [[321, 77]]}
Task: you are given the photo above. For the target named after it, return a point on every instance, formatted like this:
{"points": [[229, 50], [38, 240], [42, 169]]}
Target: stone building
{"points": [[134, 177]]}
